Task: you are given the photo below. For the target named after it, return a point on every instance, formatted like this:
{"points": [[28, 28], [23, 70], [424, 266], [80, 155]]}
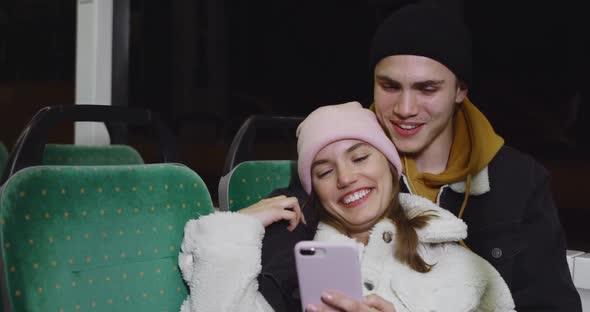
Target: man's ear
{"points": [[461, 92]]}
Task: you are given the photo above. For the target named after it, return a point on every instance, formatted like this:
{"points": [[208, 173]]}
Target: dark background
{"points": [[206, 65]]}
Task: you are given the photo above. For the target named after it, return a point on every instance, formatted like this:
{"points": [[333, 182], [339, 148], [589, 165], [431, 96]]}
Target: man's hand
{"points": [[274, 209], [335, 302]]}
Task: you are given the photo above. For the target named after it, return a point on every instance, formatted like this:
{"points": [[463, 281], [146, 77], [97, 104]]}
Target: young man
{"points": [[452, 156]]}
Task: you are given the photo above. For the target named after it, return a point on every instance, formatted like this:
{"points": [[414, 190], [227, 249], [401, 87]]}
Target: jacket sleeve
{"points": [[278, 279], [541, 279], [220, 260]]}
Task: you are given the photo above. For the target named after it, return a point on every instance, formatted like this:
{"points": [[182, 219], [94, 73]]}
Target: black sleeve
{"points": [[277, 281], [541, 277]]}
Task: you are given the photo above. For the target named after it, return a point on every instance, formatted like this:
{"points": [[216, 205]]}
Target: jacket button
{"points": [[368, 285], [387, 237], [496, 253]]}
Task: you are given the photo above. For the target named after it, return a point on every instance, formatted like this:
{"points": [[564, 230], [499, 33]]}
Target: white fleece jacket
{"points": [[220, 260]]}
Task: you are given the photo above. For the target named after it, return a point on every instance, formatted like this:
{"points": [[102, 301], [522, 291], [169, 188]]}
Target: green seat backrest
{"points": [[3, 157], [81, 238], [251, 181], [82, 155]]}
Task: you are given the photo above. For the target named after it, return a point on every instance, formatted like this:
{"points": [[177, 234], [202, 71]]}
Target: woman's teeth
{"points": [[355, 196]]}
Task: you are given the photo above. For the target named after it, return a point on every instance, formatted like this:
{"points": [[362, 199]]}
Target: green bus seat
{"points": [[251, 181], [97, 238], [83, 155]]}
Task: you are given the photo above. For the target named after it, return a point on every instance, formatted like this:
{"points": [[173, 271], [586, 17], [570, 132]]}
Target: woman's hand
{"points": [[333, 301], [274, 209]]}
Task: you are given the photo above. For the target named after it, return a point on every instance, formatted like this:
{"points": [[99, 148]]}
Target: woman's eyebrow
{"points": [[357, 145], [318, 162], [348, 150]]}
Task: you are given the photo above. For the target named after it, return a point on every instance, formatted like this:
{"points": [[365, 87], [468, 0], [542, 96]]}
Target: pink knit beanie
{"points": [[332, 123]]}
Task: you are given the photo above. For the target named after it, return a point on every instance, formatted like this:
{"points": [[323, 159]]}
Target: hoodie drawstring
{"points": [[464, 204]]}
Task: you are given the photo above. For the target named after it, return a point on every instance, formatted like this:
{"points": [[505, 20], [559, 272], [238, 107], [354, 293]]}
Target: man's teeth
{"points": [[408, 127], [355, 196]]}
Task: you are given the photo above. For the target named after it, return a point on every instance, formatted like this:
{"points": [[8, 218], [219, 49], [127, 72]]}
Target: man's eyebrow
{"points": [[385, 78], [418, 84], [348, 150], [428, 83]]}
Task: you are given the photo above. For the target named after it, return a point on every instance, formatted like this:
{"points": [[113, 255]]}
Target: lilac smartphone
{"points": [[325, 266]]}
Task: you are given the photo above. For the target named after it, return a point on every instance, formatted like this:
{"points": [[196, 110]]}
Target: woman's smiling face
{"points": [[353, 182]]}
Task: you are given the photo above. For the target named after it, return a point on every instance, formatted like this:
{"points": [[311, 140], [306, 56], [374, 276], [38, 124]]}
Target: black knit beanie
{"points": [[425, 31]]}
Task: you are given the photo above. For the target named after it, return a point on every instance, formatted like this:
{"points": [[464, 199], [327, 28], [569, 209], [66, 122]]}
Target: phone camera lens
{"points": [[308, 251]]}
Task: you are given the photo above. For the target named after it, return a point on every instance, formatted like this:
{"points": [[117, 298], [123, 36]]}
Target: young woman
{"points": [[410, 258]]}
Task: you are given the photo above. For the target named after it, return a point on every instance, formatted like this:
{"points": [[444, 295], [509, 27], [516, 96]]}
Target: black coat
{"points": [[515, 226]]}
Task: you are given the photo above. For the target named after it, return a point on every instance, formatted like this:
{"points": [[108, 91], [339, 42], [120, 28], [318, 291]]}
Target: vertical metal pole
{"points": [[93, 65], [120, 54], [120, 62]]}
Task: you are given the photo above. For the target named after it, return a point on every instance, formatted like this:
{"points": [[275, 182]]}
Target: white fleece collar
{"points": [[445, 227], [480, 184]]}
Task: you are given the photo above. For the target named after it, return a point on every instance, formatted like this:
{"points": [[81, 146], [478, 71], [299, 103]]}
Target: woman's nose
{"points": [[346, 177]]}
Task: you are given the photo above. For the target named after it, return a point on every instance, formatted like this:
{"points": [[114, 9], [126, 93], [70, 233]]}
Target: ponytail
{"points": [[406, 249]]}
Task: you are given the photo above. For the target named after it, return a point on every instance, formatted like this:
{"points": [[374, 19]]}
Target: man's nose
{"points": [[406, 106]]}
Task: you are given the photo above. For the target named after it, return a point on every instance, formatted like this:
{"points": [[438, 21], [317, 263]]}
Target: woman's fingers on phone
{"points": [[320, 308], [378, 303], [338, 302]]}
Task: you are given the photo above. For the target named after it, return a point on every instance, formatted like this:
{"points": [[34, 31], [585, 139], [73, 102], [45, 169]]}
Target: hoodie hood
{"points": [[475, 144]]}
